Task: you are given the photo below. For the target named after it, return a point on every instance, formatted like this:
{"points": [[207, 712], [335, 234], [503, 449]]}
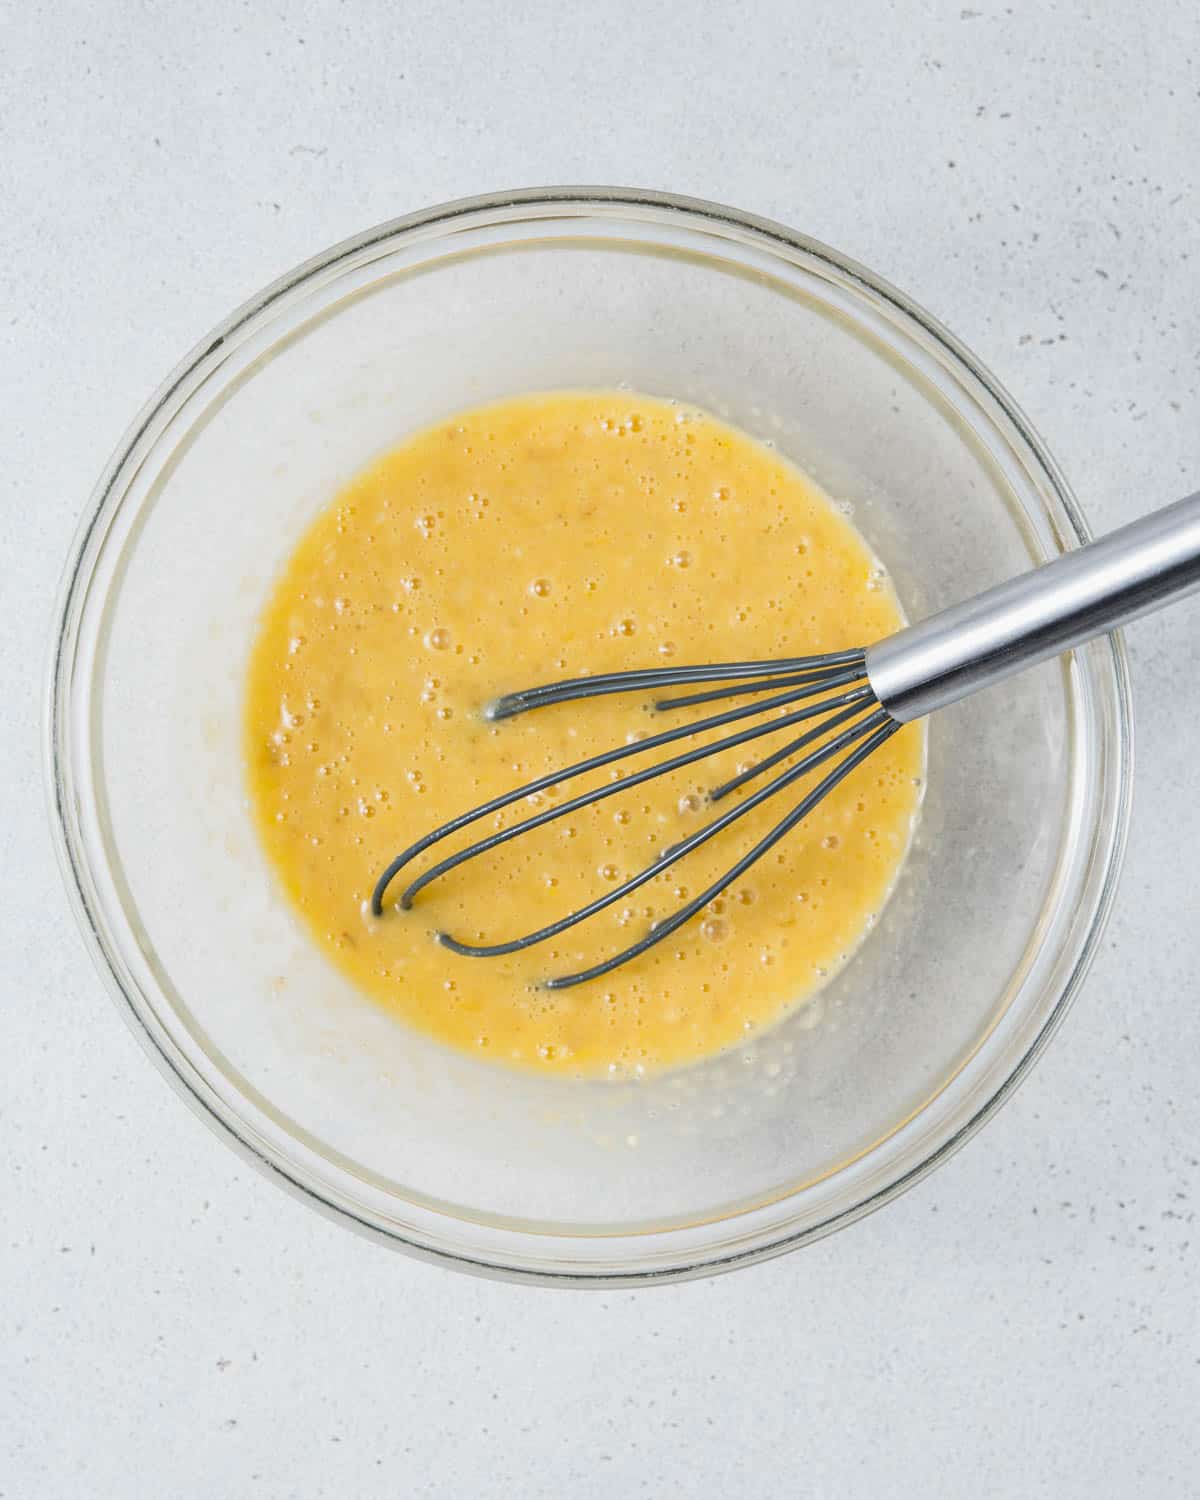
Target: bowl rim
{"points": [[513, 206]]}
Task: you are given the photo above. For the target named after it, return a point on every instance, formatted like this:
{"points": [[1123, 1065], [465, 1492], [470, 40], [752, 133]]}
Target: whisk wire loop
{"points": [[697, 904], [832, 690], [645, 678], [607, 758], [672, 855], [857, 702]]}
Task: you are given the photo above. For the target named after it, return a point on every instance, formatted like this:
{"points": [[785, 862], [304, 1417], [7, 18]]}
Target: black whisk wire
{"points": [[581, 768], [664, 862], [810, 681], [652, 677], [856, 703], [826, 679], [671, 924]]}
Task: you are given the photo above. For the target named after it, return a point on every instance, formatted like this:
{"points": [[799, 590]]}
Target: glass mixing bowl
{"points": [[806, 1127]]}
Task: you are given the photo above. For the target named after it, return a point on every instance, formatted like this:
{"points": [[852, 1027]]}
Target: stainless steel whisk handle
{"points": [[1096, 588]]}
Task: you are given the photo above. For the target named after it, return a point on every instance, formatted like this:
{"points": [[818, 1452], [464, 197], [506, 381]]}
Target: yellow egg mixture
{"points": [[554, 536]]}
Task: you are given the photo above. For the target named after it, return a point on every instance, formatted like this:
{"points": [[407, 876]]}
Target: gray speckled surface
{"points": [[1027, 1322]]}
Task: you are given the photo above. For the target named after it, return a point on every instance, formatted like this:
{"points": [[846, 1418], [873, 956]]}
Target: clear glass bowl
{"points": [[832, 1113]]}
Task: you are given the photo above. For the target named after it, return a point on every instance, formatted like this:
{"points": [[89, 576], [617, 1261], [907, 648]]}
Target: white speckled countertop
{"points": [[1026, 1322]]}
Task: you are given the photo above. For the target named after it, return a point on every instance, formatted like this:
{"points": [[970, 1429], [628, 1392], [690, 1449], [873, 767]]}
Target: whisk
{"points": [[844, 704]]}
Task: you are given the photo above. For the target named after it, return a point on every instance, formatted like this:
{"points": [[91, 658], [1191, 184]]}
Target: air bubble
{"points": [[438, 639]]}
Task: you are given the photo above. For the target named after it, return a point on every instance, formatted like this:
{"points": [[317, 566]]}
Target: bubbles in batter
{"points": [[554, 536]]}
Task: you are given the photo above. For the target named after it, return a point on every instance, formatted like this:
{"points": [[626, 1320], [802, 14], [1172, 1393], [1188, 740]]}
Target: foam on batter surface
{"points": [[546, 537]]}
